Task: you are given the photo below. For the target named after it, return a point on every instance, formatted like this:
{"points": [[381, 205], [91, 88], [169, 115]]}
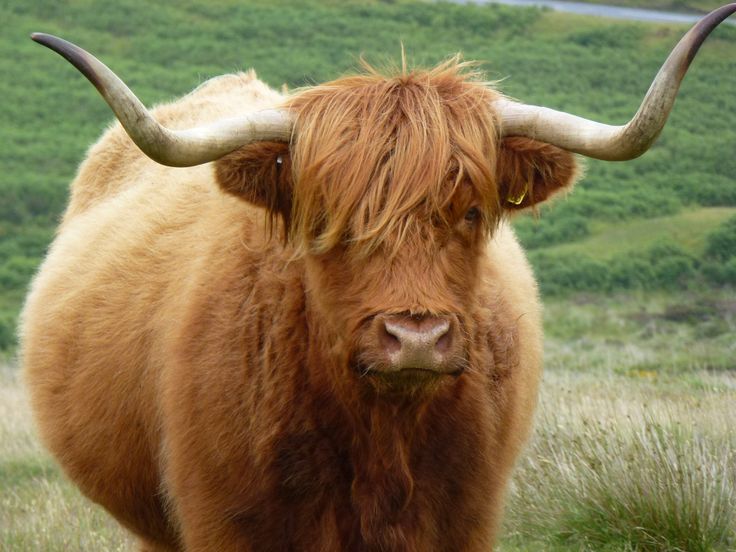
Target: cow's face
{"points": [[401, 312], [390, 193]]}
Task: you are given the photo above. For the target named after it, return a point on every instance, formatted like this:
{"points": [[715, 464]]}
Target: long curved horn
{"points": [[176, 148], [614, 143]]}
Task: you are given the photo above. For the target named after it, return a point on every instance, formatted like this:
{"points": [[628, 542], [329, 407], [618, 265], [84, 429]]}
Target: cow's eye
{"points": [[472, 215]]}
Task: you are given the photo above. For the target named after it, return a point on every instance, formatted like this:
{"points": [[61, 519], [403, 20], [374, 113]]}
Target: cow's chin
{"points": [[388, 380]]}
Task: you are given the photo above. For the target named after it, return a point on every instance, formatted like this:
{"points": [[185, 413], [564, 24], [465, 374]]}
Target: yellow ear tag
{"points": [[518, 199]]}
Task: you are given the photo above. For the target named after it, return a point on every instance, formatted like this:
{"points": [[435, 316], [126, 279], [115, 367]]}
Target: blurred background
{"points": [[635, 447]]}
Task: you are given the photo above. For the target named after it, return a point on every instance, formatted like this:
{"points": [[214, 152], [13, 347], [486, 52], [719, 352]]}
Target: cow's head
{"points": [[390, 186], [390, 189]]}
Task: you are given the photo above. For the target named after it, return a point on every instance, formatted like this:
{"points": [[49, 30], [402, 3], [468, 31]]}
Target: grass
{"points": [[687, 228], [656, 337], [627, 464], [634, 448]]}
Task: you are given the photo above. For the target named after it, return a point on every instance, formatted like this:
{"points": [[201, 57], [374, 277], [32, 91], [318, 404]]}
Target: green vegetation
{"points": [[595, 68], [674, 252], [603, 240]]}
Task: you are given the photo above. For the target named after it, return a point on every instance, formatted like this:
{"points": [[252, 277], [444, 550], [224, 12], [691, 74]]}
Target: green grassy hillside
{"points": [[592, 67], [689, 228]]}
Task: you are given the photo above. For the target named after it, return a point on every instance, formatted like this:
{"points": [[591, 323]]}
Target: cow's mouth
{"points": [[416, 371], [407, 379]]}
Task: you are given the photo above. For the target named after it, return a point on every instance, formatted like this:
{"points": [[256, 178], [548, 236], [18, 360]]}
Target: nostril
{"points": [[389, 341], [444, 343]]}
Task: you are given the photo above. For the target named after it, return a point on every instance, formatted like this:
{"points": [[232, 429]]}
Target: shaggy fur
{"points": [[195, 343]]}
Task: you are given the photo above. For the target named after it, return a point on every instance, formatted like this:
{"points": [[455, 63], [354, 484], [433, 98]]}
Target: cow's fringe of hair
{"points": [[379, 154]]}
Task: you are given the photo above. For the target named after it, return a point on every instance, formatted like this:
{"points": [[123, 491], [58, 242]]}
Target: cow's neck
{"points": [[381, 439], [382, 493]]}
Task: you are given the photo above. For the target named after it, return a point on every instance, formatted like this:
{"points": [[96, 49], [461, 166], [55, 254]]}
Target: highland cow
{"points": [[322, 335]]}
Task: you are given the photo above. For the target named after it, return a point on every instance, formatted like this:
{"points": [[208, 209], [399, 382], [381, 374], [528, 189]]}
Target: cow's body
{"points": [[179, 374], [329, 338]]}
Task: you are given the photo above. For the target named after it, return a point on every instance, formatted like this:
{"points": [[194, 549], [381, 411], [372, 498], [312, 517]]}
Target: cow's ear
{"points": [[529, 172], [259, 173]]}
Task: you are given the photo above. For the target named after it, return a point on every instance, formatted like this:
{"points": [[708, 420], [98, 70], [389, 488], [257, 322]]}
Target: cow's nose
{"points": [[417, 342]]}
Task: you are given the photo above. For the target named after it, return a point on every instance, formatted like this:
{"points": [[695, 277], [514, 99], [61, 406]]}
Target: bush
{"points": [[25, 241], [627, 272], [721, 243], [17, 272], [672, 266], [722, 274], [711, 190], [664, 265], [616, 203], [22, 202], [561, 273], [7, 331], [536, 233], [614, 37], [674, 272]]}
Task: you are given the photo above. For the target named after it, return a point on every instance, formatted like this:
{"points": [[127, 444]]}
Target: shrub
{"points": [[561, 273], [541, 232], [614, 37], [17, 272], [7, 331], [722, 274], [630, 272], [721, 243], [705, 189], [25, 241], [674, 272], [665, 265]]}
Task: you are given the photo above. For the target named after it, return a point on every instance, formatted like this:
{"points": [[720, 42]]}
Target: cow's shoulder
{"points": [[114, 164]]}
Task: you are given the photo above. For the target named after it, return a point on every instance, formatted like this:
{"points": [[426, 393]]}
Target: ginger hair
{"points": [[378, 152]]}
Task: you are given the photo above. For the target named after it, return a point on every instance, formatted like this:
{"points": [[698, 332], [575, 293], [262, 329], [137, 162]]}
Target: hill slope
{"points": [[594, 68]]}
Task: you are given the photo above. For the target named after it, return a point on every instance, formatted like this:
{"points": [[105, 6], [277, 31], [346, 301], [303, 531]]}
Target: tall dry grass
{"points": [[621, 464]]}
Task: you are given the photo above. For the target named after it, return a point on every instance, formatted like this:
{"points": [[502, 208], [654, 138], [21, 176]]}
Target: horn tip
{"points": [[50, 41], [73, 54], [39, 37]]}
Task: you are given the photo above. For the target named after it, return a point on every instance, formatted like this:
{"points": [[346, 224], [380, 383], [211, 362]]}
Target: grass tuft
{"points": [[622, 465]]}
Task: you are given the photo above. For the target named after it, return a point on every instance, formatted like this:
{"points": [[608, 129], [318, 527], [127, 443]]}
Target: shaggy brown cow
{"points": [[328, 339]]}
